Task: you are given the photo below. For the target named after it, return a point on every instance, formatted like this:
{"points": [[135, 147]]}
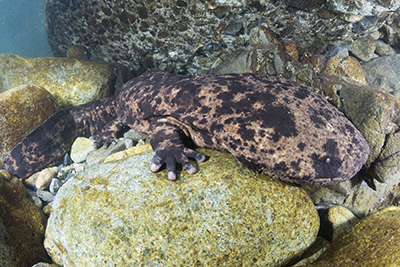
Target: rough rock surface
{"points": [[384, 73], [70, 81], [363, 7], [22, 109], [189, 36], [371, 242], [121, 214], [22, 226]]}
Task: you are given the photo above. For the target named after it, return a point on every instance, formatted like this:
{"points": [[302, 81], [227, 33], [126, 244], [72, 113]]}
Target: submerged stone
{"points": [[121, 214]]}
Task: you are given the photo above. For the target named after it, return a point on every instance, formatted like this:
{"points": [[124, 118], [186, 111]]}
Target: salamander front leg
{"points": [[168, 142]]}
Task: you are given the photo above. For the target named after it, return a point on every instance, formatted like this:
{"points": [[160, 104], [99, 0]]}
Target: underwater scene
{"points": [[22, 28], [199, 133]]}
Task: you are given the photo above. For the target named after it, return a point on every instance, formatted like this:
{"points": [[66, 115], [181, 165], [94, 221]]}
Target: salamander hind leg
{"points": [[168, 142], [109, 134]]}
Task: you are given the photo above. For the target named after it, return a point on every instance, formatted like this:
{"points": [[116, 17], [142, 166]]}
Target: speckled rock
{"points": [[22, 109], [364, 49], [22, 226], [224, 215], [384, 49], [363, 7], [371, 242], [373, 112], [384, 72], [186, 36], [81, 148], [70, 81], [344, 66]]}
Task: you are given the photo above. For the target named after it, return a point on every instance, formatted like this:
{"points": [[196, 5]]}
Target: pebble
{"points": [[341, 219], [41, 180], [45, 195], [55, 185], [363, 49], [81, 148], [384, 49], [233, 28]]}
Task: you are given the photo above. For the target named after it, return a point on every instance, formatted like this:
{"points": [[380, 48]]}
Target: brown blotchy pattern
{"points": [[270, 125]]}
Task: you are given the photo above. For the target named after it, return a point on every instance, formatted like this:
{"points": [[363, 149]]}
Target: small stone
{"points": [[341, 219], [42, 179], [77, 51], [81, 148], [5, 175], [43, 264], [98, 155], [304, 4], [343, 67], [384, 49], [337, 51], [48, 208], [375, 35], [384, 72], [291, 49], [115, 157], [263, 36], [363, 49], [128, 143], [46, 196], [55, 186], [233, 28]]}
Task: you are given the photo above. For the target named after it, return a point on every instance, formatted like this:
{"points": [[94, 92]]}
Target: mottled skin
{"points": [[270, 125]]}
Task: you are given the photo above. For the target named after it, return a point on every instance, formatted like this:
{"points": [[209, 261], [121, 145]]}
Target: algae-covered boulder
{"points": [[22, 109], [22, 226], [121, 214], [373, 241], [70, 81]]}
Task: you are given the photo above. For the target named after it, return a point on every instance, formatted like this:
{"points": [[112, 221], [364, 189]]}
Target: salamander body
{"points": [[270, 125]]}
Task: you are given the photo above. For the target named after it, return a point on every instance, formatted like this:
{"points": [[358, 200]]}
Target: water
{"points": [[22, 28]]}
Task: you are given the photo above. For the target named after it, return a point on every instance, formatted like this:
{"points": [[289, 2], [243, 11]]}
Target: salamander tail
{"points": [[46, 144]]}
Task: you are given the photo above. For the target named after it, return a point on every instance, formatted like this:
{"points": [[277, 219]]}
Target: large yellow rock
{"points": [[22, 226], [70, 81], [373, 241], [121, 214], [22, 109]]}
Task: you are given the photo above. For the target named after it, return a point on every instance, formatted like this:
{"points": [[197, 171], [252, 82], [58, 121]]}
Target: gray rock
{"points": [[384, 49], [98, 155], [362, 7], [55, 185], [363, 49], [384, 72], [45, 195], [223, 215]]}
